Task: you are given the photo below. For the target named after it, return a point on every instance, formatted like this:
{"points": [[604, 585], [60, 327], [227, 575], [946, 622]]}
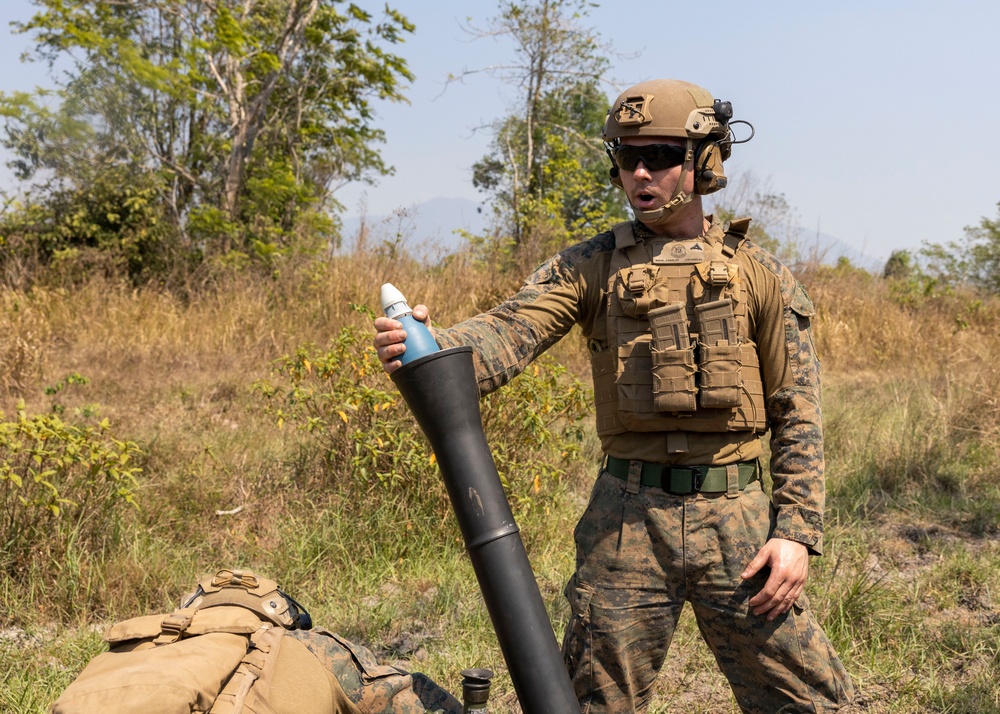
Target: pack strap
{"points": [[255, 673], [174, 625]]}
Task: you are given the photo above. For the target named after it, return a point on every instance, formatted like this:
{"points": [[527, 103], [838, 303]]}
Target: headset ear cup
{"points": [[710, 175], [614, 173], [615, 176]]}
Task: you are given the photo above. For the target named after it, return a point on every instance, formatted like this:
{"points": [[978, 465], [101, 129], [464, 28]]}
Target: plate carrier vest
{"points": [[678, 355]]}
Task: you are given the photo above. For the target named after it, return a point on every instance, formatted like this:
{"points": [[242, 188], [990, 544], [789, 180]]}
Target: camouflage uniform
{"points": [[360, 685], [642, 552]]}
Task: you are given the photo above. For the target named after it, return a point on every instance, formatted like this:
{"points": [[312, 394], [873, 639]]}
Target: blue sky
{"points": [[874, 118]]}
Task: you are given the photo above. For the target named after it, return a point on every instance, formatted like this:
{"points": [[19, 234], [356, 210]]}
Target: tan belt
{"points": [[684, 480]]}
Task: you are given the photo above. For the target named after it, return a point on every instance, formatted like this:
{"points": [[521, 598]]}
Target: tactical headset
{"points": [[672, 108]]}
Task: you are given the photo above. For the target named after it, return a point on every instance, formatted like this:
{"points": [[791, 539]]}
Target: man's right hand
{"points": [[389, 336]]}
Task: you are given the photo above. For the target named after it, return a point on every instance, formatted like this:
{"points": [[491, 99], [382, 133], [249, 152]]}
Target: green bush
{"points": [[367, 437], [535, 429], [61, 487], [339, 398], [113, 224]]}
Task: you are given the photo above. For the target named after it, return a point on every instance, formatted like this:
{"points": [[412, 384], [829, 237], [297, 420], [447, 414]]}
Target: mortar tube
{"points": [[441, 391]]}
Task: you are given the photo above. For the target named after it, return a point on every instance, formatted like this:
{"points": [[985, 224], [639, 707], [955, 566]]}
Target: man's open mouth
{"points": [[644, 199]]}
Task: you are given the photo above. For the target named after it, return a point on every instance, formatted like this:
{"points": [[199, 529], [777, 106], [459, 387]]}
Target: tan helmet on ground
{"points": [[247, 589], [680, 110]]}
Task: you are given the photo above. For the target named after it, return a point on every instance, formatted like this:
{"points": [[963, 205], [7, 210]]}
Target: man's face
{"points": [[648, 190]]}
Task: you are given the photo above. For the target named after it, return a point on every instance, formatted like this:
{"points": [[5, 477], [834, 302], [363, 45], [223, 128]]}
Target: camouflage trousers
{"points": [[640, 557]]}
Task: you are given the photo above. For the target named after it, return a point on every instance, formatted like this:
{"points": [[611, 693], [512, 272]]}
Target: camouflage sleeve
{"points": [[371, 688], [560, 293], [792, 385], [504, 340], [795, 416]]}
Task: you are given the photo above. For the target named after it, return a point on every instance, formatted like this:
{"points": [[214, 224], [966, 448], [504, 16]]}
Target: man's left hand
{"points": [[789, 563]]}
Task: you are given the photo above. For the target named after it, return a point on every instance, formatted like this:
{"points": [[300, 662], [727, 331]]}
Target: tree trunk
{"points": [[248, 116]]}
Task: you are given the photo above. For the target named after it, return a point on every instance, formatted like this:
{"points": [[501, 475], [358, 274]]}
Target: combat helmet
{"points": [[247, 589], [681, 110]]}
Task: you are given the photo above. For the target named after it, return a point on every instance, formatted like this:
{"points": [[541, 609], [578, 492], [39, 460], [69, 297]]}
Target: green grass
{"points": [[39, 662]]}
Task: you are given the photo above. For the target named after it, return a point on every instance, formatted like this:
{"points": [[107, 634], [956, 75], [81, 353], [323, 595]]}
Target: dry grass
{"points": [[912, 393]]}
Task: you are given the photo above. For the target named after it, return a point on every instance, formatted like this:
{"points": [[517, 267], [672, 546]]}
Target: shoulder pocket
{"points": [[802, 350], [801, 304]]}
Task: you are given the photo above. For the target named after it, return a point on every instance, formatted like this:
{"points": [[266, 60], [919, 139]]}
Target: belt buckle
{"points": [[693, 478]]}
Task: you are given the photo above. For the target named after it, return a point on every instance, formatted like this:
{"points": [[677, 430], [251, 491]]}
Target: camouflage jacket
{"points": [[571, 289], [363, 686]]}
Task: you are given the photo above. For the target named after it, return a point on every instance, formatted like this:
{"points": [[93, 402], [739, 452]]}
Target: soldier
{"points": [[699, 344]]}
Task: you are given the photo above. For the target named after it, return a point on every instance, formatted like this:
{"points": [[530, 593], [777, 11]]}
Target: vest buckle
{"points": [[718, 274]]}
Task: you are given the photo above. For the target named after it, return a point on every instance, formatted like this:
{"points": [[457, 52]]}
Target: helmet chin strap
{"points": [[660, 216]]}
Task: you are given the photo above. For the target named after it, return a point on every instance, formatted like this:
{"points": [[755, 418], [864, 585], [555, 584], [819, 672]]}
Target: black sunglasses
{"points": [[655, 157]]}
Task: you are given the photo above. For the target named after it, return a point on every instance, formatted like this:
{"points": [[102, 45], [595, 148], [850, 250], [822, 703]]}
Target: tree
{"points": [[547, 172], [900, 266], [974, 261], [775, 226], [245, 114]]}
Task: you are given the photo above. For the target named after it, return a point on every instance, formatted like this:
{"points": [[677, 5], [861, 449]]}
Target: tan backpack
{"points": [[237, 645]]}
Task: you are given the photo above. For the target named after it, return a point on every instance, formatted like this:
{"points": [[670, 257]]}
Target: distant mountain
{"points": [[828, 250], [430, 227]]}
